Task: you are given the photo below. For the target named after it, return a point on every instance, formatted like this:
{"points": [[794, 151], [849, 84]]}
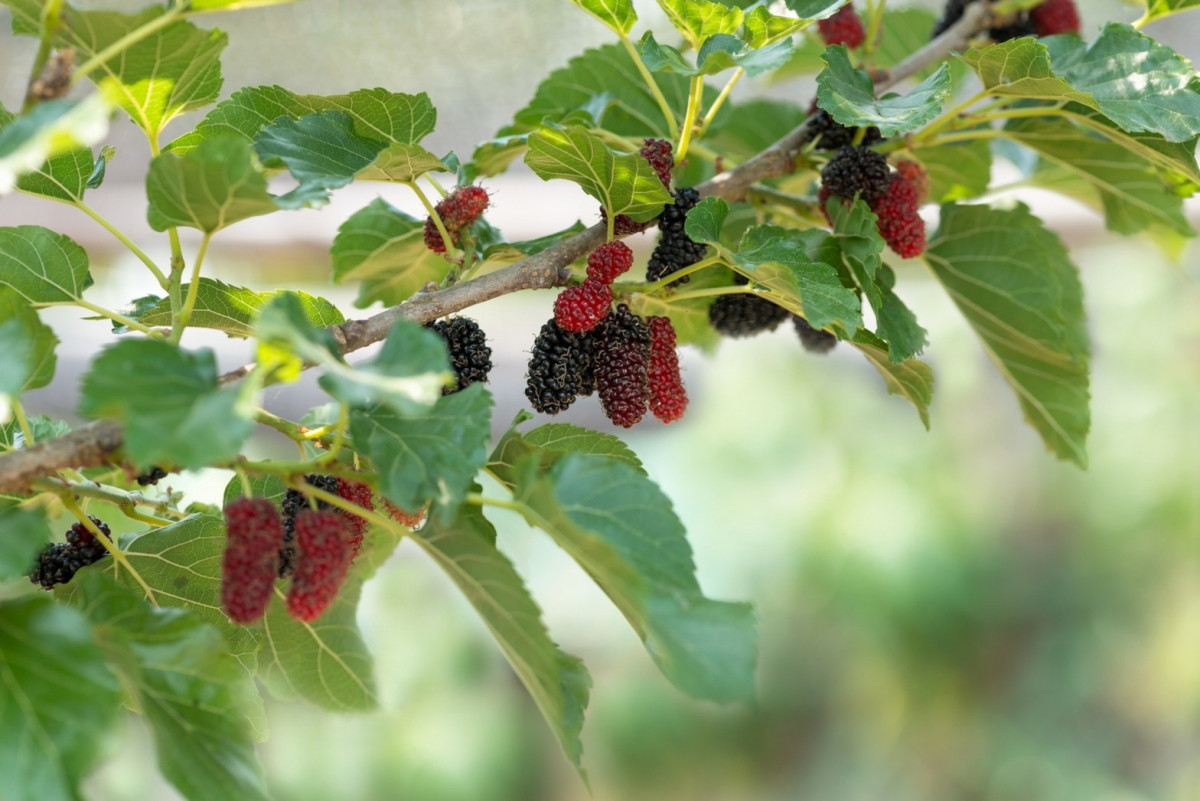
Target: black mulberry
{"points": [[295, 502], [59, 562], [745, 315], [621, 363], [470, 357], [814, 340], [560, 368], [675, 249], [856, 171], [830, 135]]}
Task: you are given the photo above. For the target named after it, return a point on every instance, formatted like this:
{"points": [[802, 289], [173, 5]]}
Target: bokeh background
{"points": [[945, 615]]}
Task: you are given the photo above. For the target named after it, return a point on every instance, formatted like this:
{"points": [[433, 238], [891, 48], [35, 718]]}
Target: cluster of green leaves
{"points": [[1113, 122]]}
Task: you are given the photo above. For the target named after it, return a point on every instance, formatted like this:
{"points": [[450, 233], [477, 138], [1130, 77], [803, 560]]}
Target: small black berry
{"points": [[675, 249], [470, 357], [560, 368]]}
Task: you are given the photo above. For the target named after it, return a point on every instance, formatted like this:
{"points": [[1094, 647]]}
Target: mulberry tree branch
{"points": [[96, 443]]}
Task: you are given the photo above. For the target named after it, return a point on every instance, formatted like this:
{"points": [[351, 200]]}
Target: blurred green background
{"points": [[945, 616]]}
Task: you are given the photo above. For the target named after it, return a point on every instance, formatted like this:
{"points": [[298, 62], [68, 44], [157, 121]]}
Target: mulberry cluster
{"points": [[456, 210], [324, 550], [1054, 17], [59, 562], [855, 171], [675, 249], [622, 351], [470, 357], [843, 28], [661, 156], [952, 12], [560, 368], [253, 541], [295, 502], [814, 340], [668, 397], [830, 135]]}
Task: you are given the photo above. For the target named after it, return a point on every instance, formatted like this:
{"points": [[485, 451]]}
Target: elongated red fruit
{"points": [[323, 554], [253, 539]]}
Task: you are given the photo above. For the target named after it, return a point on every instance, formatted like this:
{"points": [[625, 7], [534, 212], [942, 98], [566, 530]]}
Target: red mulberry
{"points": [[581, 308], [608, 261], [899, 223], [661, 156], [253, 539], [620, 363], [668, 397], [843, 28], [323, 554], [1055, 16]]}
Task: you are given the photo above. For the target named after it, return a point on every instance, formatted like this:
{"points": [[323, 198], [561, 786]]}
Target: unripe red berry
{"points": [[608, 261], [1055, 16], [323, 554], [581, 308], [253, 539], [843, 28], [668, 397]]}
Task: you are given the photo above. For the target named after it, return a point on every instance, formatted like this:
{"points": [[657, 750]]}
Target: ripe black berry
{"points": [[59, 562], [470, 357], [294, 503], [745, 315], [675, 249], [560, 368], [831, 135], [814, 340], [151, 476], [856, 171], [621, 362], [952, 12]]}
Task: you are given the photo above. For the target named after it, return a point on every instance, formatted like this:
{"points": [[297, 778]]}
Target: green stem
{"points": [[695, 99], [127, 502], [339, 436], [720, 101], [51, 19], [175, 280], [874, 25], [715, 291], [965, 136], [124, 240], [117, 554], [129, 40], [133, 325], [452, 254], [652, 85], [349, 507], [181, 320], [22, 421], [663, 283], [483, 500]]}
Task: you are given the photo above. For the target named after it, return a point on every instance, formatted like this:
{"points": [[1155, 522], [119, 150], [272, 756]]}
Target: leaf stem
{"points": [[127, 502], [51, 20], [22, 421], [339, 436], [715, 291], [452, 253], [181, 320], [117, 554], [652, 85], [118, 318], [720, 101], [874, 27], [349, 507], [663, 283], [695, 99], [483, 500], [129, 40], [126, 241]]}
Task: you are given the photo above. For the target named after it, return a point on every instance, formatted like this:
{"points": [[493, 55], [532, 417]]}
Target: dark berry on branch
{"points": [[470, 357], [560, 368], [814, 340], [661, 156], [293, 503], [609, 261], [668, 397], [1054, 17], [843, 28], [621, 361], [462, 207], [151, 476], [899, 223], [581, 308], [675, 249], [59, 562], [433, 237], [741, 316], [855, 171], [952, 12], [253, 539], [830, 135], [323, 554]]}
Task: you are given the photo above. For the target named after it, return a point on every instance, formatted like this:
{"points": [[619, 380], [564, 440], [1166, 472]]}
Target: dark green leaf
{"points": [[619, 15], [1011, 278], [101, 167], [44, 267], [911, 379], [27, 344], [754, 126], [621, 529], [705, 220], [215, 185], [849, 97], [407, 374], [553, 441], [760, 27], [815, 9], [191, 690], [558, 682], [59, 704], [956, 171], [429, 456], [23, 534], [1157, 9], [62, 176], [623, 183], [384, 249], [169, 402], [233, 309]]}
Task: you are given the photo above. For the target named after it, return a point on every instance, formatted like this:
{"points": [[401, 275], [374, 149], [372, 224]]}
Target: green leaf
{"points": [[209, 188], [705, 220], [553, 441], [1012, 279], [623, 183], [169, 402], [233, 309], [959, 171], [760, 27], [754, 126], [44, 267], [903, 32], [174, 70], [1021, 68], [43, 428], [621, 529], [182, 564], [23, 534], [697, 20], [384, 249], [849, 97], [911, 379], [618, 15], [815, 9], [1157, 9], [64, 176], [325, 662], [190, 689], [40, 150], [558, 682], [59, 704], [27, 344], [723, 51], [1134, 198], [407, 375], [427, 456], [857, 236]]}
